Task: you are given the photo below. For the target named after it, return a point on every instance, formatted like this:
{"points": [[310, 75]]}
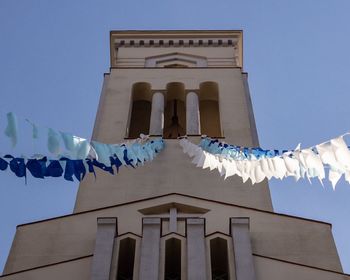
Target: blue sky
{"points": [[53, 55]]}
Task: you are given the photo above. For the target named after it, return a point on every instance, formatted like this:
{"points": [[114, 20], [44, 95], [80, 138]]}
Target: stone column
{"points": [[242, 249], [192, 114], [150, 249], [196, 253], [104, 244], [157, 114], [173, 220]]}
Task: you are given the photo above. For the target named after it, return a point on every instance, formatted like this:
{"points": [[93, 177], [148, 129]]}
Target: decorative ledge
{"points": [[175, 43], [178, 39]]}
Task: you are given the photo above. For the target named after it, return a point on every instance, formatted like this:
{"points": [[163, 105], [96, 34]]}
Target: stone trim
{"points": [[150, 249], [175, 42], [196, 250], [177, 39], [244, 264], [103, 252]]}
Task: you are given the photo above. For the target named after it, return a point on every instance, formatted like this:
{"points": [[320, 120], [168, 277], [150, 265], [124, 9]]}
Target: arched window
{"points": [[219, 259], [126, 259], [209, 109], [172, 267], [141, 110], [175, 111]]}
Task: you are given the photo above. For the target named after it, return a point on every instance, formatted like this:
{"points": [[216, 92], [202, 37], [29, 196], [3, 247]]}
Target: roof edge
{"points": [[46, 265], [169, 194], [300, 264]]}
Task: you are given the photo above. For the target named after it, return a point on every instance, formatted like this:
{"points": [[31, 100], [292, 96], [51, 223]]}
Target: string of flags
{"points": [[132, 155], [74, 157], [257, 164]]}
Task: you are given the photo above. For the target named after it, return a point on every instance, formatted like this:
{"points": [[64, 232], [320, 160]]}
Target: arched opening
{"points": [[172, 269], [175, 111], [141, 110], [209, 109], [126, 259], [219, 259]]}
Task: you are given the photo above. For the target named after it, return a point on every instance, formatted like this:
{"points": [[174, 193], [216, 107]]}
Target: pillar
{"points": [[157, 114], [150, 249], [173, 220], [104, 245], [196, 253], [192, 114], [242, 249]]}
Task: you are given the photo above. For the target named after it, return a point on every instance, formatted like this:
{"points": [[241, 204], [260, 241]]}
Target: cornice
{"points": [[175, 42], [176, 39]]}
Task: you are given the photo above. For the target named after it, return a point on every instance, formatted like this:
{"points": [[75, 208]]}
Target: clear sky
{"points": [[53, 55]]}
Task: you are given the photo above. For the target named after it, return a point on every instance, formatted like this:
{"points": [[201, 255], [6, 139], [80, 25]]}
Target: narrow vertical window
{"points": [[175, 111], [126, 259], [172, 269], [219, 259], [140, 110], [140, 118], [209, 109]]}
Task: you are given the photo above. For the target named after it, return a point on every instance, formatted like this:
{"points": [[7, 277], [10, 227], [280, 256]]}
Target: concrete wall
{"points": [[283, 237], [268, 269], [172, 171]]}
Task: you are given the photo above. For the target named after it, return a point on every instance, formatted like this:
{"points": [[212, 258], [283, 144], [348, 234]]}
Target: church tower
{"points": [[169, 219]]}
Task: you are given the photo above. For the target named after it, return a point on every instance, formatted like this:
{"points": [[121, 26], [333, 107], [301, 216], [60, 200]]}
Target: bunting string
{"points": [[72, 156], [132, 155], [257, 164]]}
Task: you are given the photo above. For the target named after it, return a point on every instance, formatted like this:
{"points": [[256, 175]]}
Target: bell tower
{"points": [[167, 219], [171, 84]]}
